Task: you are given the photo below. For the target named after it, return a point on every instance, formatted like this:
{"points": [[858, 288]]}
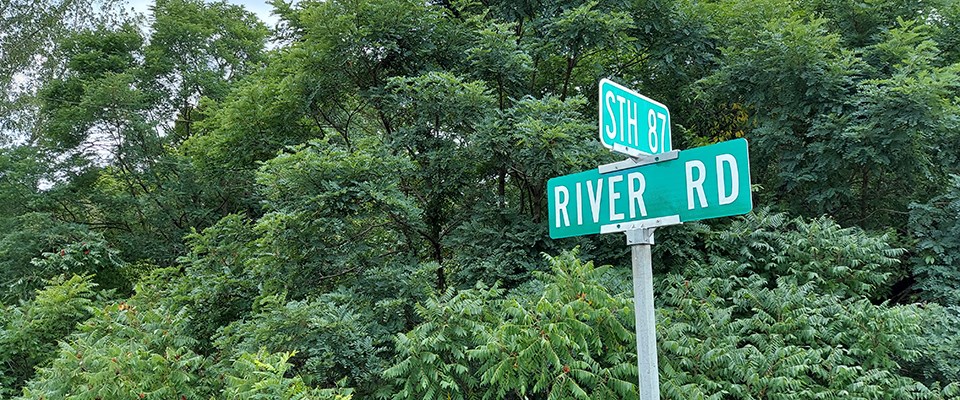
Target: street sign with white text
{"points": [[701, 183], [631, 123]]}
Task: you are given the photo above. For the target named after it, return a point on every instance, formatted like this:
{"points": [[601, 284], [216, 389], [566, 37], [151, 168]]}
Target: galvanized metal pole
{"points": [[640, 241]]}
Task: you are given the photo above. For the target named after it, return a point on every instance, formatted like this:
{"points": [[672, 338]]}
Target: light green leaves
{"points": [[262, 375], [331, 213], [574, 342], [31, 330]]}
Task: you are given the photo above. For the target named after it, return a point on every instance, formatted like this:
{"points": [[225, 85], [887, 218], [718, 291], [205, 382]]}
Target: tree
{"points": [[572, 342], [199, 50], [139, 348], [777, 308], [828, 110], [935, 226], [331, 213], [31, 330], [109, 122], [329, 342], [31, 30]]}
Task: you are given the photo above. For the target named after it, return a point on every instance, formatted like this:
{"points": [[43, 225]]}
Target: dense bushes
{"points": [[776, 307]]}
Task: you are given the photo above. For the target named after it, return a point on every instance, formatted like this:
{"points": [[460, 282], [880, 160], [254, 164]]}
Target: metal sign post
{"points": [[640, 242]]}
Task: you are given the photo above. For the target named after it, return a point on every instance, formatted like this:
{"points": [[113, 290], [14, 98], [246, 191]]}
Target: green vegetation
{"points": [[352, 204]]}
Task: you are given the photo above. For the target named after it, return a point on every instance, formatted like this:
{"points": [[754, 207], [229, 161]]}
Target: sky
{"points": [[259, 7]]}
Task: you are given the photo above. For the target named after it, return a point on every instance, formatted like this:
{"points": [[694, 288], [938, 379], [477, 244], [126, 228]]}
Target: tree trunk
{"points": [[502, 189], [441, 274], [571, 62]]}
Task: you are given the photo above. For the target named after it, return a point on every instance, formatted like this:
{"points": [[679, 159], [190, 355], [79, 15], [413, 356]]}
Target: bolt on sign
{"points": [[701, 183]]}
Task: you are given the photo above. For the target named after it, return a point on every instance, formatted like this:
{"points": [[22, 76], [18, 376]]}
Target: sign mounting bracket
{"points": [[638, 161]]}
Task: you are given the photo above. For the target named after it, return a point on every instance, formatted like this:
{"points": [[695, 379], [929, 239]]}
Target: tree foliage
{"points": [[572, 342], [32, 329], [936, 228]]}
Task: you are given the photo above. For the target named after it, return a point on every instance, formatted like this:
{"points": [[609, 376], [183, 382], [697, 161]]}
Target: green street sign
{"points": [[701, 183], [631, 123]]}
